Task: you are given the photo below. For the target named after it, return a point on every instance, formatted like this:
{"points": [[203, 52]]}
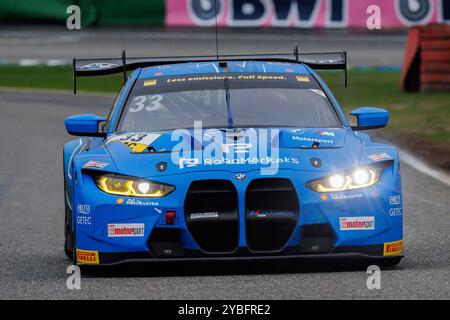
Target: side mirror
{"points": [[85, 125], [370, 118]]}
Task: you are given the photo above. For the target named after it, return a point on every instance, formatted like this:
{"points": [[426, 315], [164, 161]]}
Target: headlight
{"points": [[350, 180], [132, 187]]}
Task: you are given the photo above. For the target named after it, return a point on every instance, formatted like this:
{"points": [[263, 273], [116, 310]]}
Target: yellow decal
{"points": [[302, 79], [119, 201], [135, 147], [87, 257], [393, 248], [148, 83], [136, 142]]}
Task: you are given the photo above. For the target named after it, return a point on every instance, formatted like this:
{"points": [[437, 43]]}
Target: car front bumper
{"points": [[313, 232], [341, 255]]}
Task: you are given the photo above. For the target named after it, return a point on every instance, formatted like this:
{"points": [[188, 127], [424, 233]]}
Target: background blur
{"points": [[37, 47]]}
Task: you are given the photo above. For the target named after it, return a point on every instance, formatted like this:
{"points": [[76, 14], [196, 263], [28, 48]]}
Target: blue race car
{"points": [[229, 157]]}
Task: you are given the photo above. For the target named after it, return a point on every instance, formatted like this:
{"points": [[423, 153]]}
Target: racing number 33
{"points": [[139, 103]]}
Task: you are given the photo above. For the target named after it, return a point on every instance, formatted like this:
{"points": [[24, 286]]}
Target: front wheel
{"points": [[68, 243], [67, 251]]}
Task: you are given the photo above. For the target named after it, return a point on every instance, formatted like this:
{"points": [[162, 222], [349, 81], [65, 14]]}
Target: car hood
{"points": [[242, 150]]}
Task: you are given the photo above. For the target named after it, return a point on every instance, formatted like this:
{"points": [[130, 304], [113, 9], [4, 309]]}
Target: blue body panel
{"points": [[340, 150]]}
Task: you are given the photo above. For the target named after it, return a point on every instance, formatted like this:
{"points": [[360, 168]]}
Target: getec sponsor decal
{"points": [[395, 212], [357, 223], [393, 248], [126, 230], [395, 202], [87, 257], [84, 218]]}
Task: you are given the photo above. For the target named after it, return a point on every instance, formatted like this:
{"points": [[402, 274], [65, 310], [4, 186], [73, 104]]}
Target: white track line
{"points": [[424, 168]]}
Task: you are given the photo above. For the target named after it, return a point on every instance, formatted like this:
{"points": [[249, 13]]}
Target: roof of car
{"points": [[213, 67]]}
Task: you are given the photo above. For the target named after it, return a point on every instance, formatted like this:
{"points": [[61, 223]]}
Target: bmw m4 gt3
{"points": [[244, 157]]}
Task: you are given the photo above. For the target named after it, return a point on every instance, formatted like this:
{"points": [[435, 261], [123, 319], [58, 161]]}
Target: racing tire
{"points": [[390, 262], [68, 252]]}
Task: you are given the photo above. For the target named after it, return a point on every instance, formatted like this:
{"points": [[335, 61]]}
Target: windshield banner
{"points": [[307, 14]]}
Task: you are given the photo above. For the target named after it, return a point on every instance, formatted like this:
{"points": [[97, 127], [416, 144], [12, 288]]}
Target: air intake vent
{"points": [[211, 212], [166, 243], [271, 214], [317, 238]]}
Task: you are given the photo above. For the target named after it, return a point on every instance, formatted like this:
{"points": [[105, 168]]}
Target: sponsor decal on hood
{"points": [[213, 149], [136, 142]]}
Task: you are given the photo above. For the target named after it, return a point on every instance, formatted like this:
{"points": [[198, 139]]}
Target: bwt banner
{"points": [[306, 13]]}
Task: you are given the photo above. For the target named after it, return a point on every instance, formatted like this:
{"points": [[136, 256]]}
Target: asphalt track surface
{"points": [[33, 265], [365, 48]]}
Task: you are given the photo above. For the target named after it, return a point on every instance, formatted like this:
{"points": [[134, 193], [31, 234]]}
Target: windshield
{"points": [[277, 101]]}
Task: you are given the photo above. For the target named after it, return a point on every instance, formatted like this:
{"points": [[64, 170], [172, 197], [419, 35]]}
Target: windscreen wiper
{"points": [[228, 99]]}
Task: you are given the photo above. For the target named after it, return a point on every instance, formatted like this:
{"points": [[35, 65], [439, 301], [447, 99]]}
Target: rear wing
{"points": [[108, 66]]}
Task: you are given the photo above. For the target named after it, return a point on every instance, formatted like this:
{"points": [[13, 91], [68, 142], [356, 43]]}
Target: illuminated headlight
{"points": [[132, 187], [359, 178]]}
